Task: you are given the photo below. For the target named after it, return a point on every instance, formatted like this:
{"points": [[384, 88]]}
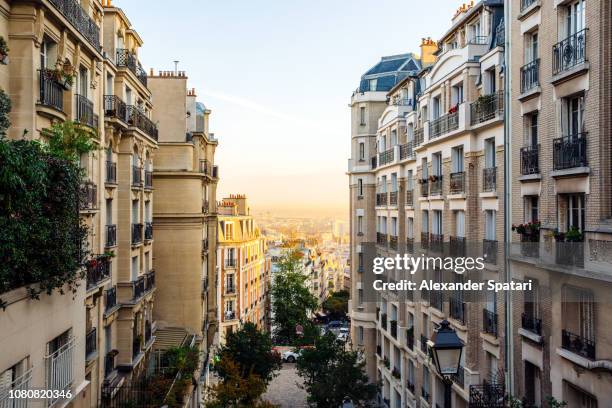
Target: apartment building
{"points": [[426, 177], [185, 181], [243, 286], [560, 126]]}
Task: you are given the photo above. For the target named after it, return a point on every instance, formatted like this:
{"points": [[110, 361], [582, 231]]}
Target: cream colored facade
{"points": [[243, 268], [426, 172]]}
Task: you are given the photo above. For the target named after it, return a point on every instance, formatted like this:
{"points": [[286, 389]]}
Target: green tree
{"points": [[251, 350], [332, 373], [336, 305], [237, 390], [292, 301]]}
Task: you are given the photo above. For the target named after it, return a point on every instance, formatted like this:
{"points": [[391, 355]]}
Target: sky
{"points": [[278, 76]]}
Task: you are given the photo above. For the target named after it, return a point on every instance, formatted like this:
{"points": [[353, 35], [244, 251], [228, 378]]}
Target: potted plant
{"points": [[454, 108], [4, 50]]}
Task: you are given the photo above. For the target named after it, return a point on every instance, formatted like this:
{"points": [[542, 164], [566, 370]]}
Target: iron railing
{"points": [[393, 242], [569, 52], [51, 91], [456, 246], [489, 179], [444, 124], [89, 196], [205, 167], [126, 58], [381, 198], [139, 120], [91, 342], [533, 324], [381, 239], [230, 315], [424, 239], [149, 280], [136, 346], [459, 378], [457, 309], [419, 136], [479, 39], [111, 235], [424, 344], [489, 322], [436, 241], [393, 198], [138, 287], [457, 182], [114, 107], [570, 151], [110, 298], [386, 157], [59, 372], [578, 344], [489, 249], [109, 363], [85, 111], [137, 233], [435, 186], [97, 269], [21, 383], [80, 20], [487, 107], [530, 160], [530, 75], [406, 151], [230, 263], [424, 187], [487, 395]]}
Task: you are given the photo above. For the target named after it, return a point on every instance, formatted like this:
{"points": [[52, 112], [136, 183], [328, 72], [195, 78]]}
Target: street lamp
{"points": [[446, 352]]}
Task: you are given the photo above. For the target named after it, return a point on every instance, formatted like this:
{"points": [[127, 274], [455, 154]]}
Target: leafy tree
{"points": [[251, 350], [332, 373], [236, 390], [336, 305], [292, 301], [5, 108]]}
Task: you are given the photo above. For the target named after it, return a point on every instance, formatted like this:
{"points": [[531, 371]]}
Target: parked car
{"points": [[291, 356], [343, 336]]}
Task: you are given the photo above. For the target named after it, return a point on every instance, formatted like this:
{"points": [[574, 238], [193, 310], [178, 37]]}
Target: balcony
{"points": [[457, 309], [127, 59], [489, 250], [111, 235], [570, 254], [386, 157], [409, 249], [457, 182], [410, 385], [51, 91], [424, 239], [148, 231], [407, 151], [396, 373], [97, 269], [148, 179], [459, 378], [526, 3], [59, 370], [570, 151], [569, 52], [110, 299], [393, 198], [137, 233], [479, 40], [456, 246], [381, 239], [410, 197], [393, 242], [578, 344], [381, 199], [205, 167], [230, 263], [111, 172], [80, 20], [136, 176], [487, 395], [419, 136], [15, 386], [437, 300], [85, 112], [393, 328], [138, 287], [435, 185], [489, 179], [530, 76], [138, 120], [230, 288], [230, 315], [532, 324], [530, 160], [444, 124], [424, 188], [91, 343], [149, 280], [487, 107], [436, 241], [115, 108], [489, 322], [89, 196], [109, 363]]}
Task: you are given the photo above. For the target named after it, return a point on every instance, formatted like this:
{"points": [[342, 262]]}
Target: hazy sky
{"points": [[278, 76]]}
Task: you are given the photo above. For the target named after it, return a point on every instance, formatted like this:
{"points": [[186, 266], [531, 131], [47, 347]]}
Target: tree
{"points": [[336, 305], [251, 350], [236, 390], [332, 373], [292, 301]]}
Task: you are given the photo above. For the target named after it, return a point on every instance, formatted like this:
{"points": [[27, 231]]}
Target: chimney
{"points": [[428, 48]]}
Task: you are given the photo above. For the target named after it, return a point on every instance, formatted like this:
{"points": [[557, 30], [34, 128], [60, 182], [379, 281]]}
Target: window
{"points": [[436, 107], [457, 159], [424, 169], [373, 83], [426, 380], [360, 224], [573, 115], [361, 151], [393, 182], [575, 211], [394, 226], [436, 222], [490, 216], [425, 221], [457, 94], [135, 268], [229, 231], [490, 153], [460, 224], [575, 18], [48, 53], [436, 164], [578, 398], [135, 212], [410, 181], [490, 84], [410, 228], [360, 261], [531, 129], [83, 81], [531, 208], [360, 296], [360, 187], [411, 371], [360, 335], [531, 47], [393, 137]]}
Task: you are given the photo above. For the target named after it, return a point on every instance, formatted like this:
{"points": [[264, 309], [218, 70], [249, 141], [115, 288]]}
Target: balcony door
{"points": [[573, 115], [83, 82], [575, 18], [490, 153], [457, 159]]}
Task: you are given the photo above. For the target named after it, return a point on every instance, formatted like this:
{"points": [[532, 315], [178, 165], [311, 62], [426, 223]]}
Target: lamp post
{"points": [[446, 353]]}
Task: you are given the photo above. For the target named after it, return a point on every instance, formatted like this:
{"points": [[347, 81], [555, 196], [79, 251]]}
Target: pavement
{"points": [[284, 390]]}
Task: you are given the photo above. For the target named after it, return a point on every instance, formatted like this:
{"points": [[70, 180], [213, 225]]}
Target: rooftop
{"points": [[389, 71]]}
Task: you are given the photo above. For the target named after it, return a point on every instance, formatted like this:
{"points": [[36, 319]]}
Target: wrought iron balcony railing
{"points": [[424, 188], [479, 39], [489, 250], [91, 342], [109, 363], [436, 186], [570, 151], [489, 322], [530, 75], [459, 378], [85, 111], [406, 151], [111, 235], [457, 309], [578, 344], [381, 239], [138, 120], [533, 324], [114, 107], [419, 136], [110, 298], [410, 197], [489, 179], [205, 167], [530, 160], [381, 198], [393, 198], [424, 344], [97, 269], [425, 239], [89, 196], [230, 263], [393, 242], [51, 92], [127, 59], [138, 287], [457, 182], [78, 17], [444, 124], [436, 241], [137, 233], [487, 395], [456, 246], [386, 157], [487, 107], [569, 52]]}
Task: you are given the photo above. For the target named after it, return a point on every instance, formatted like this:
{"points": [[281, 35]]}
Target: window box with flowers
{"points": [[530, 237], [569, 247], [453, 109]]}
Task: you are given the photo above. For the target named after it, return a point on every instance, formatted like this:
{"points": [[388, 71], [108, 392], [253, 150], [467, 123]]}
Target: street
{"points": [[284, 389]]}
